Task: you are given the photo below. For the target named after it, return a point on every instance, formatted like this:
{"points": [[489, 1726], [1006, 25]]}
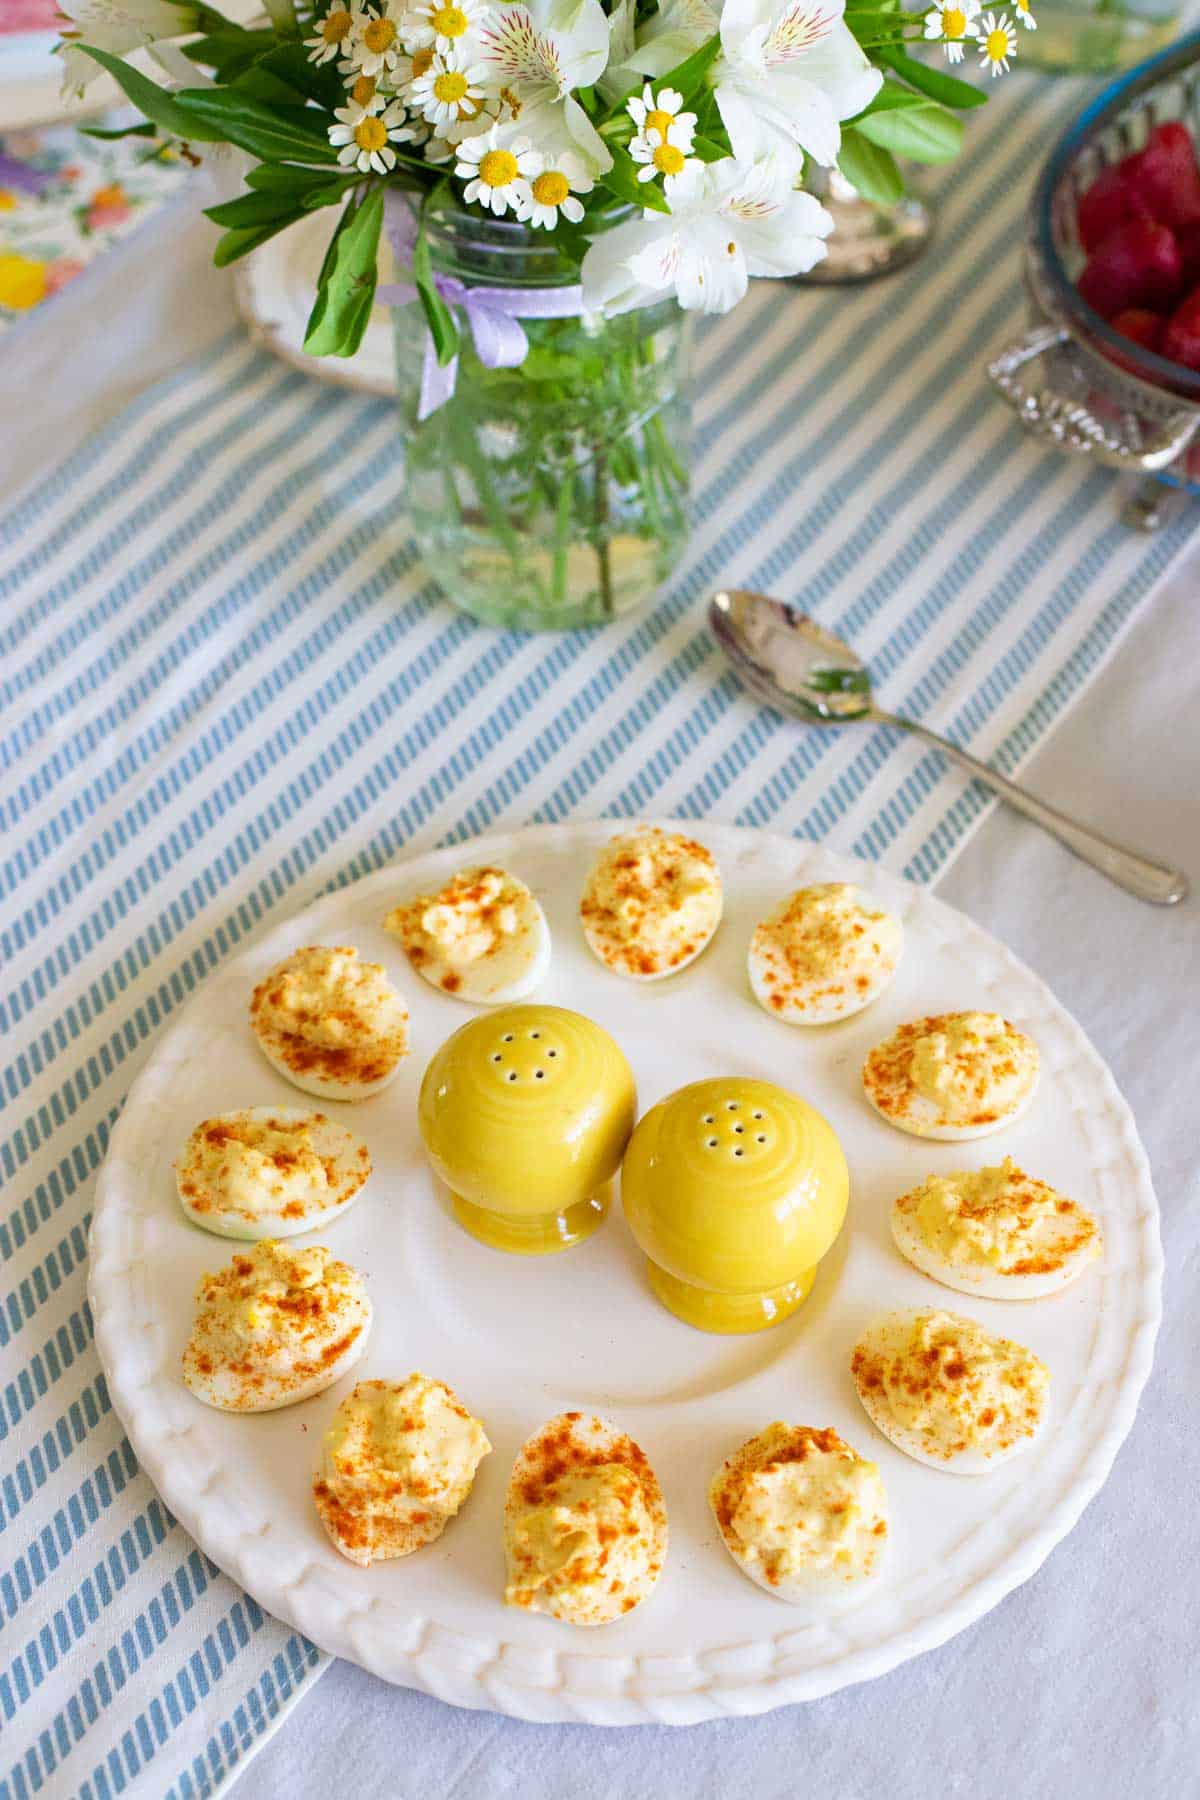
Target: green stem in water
{"points": [[600, 525], [469, 453], [562, 539]]}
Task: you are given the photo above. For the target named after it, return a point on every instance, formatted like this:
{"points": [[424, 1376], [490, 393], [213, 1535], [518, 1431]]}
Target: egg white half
{"points": [[309, 1082], [884, 1338], [338, 1148], [515, 969], [224, 1390], [983, 1279], [822, 1000]]}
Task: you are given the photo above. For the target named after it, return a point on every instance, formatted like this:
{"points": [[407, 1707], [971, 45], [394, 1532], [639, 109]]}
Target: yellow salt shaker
{"points": [[525, 1113], [734, 1189]]}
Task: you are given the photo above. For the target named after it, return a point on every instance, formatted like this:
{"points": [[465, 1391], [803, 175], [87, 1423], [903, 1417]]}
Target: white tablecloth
{"points": [[1083, 1682]]}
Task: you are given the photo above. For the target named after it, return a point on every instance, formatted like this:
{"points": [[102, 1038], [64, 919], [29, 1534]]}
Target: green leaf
{"points": [[285, 178], [443, 327], [145, 129], [689, 75], [622, 181], [228, 53], [869, 169], [946, 89], [163, 109], [272, 133], [909, 125], [707, 150], [233, 244], [321, 83], [346, 288], [255, 209]]}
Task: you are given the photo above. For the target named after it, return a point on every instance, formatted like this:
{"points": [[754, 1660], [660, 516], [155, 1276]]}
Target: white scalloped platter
{"points": [[522, 1339]]}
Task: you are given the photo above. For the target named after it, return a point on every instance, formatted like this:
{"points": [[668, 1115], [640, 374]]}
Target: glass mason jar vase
{"points": [[553, 494]]}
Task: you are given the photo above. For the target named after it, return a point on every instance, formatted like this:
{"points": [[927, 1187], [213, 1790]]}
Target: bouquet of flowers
{"points": [[647, 152]]}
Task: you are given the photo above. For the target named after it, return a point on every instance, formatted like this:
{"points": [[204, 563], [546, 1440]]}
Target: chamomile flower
{"points": [[497, 168], [374, 45], [953, 22], [331, 34], [362, 90], [997, 42], [662, 114], [364, 135], [449, 90], [660, 156], [444, 24], [553, 192], [1021, 8]]}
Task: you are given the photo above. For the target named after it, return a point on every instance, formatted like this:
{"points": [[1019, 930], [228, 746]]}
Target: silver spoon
{"points": [[797, 667]]}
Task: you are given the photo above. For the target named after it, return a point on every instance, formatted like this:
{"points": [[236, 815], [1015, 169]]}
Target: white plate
{"points": [[275, 287], [523, 1339]]}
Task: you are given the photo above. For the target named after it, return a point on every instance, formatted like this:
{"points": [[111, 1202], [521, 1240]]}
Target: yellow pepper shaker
{"points": [[735, 1189], [525, 1113]]}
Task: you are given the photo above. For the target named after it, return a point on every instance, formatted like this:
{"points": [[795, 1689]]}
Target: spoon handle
{"points": [[1137, 874]]}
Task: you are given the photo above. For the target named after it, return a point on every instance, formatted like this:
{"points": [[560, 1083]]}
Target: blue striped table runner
{"points": [[225, 685]]}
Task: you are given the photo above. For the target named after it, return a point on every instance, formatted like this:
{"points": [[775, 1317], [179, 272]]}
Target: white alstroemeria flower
{"points": [[552, 192], [443, 24], [374, 46], [952, 23], [726, 223], [671, 34], [449, 91], [364, 135], [619, 73], [997, 42], [331, 34], [498, 166], [788, 73], [541, 51], [116, 26]]}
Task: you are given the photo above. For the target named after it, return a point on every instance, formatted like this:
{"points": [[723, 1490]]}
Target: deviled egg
{"points": [[652, 903], [947, 1392], [331, 1023], [398, 1461], [585, 1528], [953, 1075], [277, 1326], [482, 937], [995, 1232], [800, 1512], [269, 1172], [823, 954]]}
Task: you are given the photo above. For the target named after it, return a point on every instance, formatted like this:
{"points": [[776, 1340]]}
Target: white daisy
{"points": [[364, 135], [953, 23], [374, 44], [497, 167], [658, 156], [554, 190], [662, 114], [444, 24], [1021, 8], [449, 90], [331, 34], [997, 42]]}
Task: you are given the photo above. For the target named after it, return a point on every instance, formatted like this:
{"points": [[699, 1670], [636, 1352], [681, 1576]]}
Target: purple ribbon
{"points": [[492, 312]]}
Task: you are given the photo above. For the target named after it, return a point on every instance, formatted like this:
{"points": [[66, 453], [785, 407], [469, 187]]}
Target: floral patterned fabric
{"points": [[64, 199]]}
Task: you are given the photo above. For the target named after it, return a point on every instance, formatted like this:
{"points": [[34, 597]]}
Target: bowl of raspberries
{"points": [[1111, 367]]}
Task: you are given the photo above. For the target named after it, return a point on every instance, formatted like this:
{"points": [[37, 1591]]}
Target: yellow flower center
{"points": [[450, 86], [497, 168], [668, 159], [421, 61], [658, 120], [449, 21], [379, 36], [954, 22], [335, 25], [363, 90], [551, 188], [370, 134], [996, 46]]}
